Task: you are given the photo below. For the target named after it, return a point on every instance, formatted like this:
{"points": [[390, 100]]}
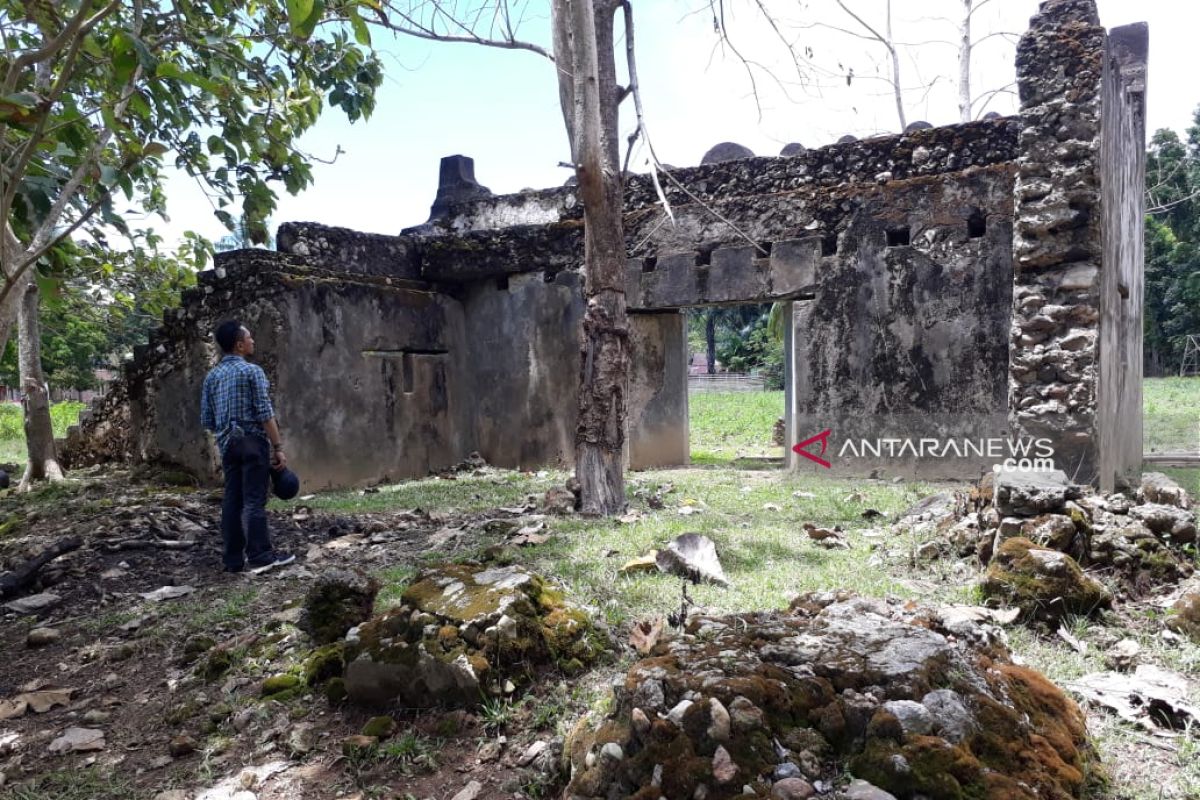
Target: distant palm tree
{"points": [[730, 318]]}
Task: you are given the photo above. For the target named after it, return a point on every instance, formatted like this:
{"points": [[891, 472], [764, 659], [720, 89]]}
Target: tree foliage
{"points": [[99, 95], [98, 304], [1172, 305]]}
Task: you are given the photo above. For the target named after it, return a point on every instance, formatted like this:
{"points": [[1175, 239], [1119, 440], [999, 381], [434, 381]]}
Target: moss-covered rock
{"points": [[464, 630], [278, 684], [379, 727], [1044, 584], [214, 665], [325, 663], [836, 684], [338, 600]]}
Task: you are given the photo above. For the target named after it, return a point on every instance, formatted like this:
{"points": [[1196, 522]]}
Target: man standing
{"points": [[235, 405]]}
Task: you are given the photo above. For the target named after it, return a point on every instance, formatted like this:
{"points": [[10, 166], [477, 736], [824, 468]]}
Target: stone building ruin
{"points": [[966, 282]]}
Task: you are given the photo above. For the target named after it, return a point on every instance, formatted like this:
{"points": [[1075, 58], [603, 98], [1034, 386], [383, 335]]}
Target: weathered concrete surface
{"points": [[364, 375], [907, 341], [658, 397], [524, 359], [1123, 171]]}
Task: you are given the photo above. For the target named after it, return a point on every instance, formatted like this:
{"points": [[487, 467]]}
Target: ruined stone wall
{"points": [[905, 337], [657, 403], [367, 378], [524, 362], [1078, 244], [973, 281]]}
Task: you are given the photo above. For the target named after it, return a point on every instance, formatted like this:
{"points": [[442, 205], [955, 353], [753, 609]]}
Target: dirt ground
{"points": [[124, 657]]}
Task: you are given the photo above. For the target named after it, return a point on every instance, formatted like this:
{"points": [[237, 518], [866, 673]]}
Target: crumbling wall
{"points": [[657, 405], [905, 336], [975, 281], [524, 335], [367, 378], [1077, 246]]}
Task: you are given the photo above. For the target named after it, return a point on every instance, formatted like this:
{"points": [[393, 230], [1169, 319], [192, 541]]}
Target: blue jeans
{"points": [[247, 463]]}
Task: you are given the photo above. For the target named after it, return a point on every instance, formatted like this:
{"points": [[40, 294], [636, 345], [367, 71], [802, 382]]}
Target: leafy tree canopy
{"points": [[99, 95]]}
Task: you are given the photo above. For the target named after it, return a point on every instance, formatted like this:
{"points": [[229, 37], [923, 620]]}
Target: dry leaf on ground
{"points": [[645, 634]]}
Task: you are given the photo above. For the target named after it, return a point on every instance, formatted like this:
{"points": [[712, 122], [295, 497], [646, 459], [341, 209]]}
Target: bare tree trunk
{"points": [[898, 89], [583, 38], [964, 64], [39, 432], [710, 339]]}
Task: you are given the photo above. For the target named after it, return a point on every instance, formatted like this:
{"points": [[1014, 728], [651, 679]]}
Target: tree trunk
{"points": [[964, 64], [39, 432], [710, 339], [586, 60], [896, 87]]}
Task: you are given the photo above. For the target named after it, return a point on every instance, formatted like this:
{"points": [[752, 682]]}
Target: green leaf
{"points": [[298, 12], [172, 71], [362, 34]]}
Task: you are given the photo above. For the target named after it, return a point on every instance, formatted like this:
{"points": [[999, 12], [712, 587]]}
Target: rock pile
{"points": [[782, 704], [464, 631], [1037, 530]]}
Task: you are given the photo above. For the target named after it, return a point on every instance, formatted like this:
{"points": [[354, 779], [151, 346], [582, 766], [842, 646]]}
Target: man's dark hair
{"points": [[228, 333]]}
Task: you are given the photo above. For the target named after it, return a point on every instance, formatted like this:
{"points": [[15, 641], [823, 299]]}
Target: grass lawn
{"points": [[725, 426], [12, 428], [1171, 421]]}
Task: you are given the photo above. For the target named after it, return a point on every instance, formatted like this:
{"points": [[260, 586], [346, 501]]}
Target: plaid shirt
{"points": [[235, 395]]}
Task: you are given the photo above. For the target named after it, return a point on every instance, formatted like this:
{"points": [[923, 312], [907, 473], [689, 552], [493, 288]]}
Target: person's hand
{"points": [[278, 460]]}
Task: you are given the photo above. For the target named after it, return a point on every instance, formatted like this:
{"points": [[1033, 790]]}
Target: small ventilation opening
{"points": [[703, 258], [502, 284], [764, 249], [549, 277], [829, 245], [976, 225], [406, 373], [649, 263], [898, 237]]}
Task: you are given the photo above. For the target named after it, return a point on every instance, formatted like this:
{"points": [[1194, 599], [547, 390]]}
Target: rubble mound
{"points": [[758, 704], [1137, 542], [464, 631]]}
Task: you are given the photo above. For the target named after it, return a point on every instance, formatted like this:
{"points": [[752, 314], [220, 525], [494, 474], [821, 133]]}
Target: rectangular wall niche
{"points": [[405, 359]]}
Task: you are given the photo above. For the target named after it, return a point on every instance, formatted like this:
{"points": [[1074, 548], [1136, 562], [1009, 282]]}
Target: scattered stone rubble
{"points": [[782, 705], [1038, 532], [464, 631]]}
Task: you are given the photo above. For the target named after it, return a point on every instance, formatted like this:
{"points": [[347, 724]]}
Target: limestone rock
{"points": [[462, 629], [1173, 523], [1027, 494], [726, 151], [861, 790], [1158, 488], [692, 556], [825, 675], [1045, 584], [1185, 616], [337, 601], [792, 789], [40, 637]]}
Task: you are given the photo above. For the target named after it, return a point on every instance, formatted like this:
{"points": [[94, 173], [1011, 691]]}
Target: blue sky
{"points": [[501, 107]]}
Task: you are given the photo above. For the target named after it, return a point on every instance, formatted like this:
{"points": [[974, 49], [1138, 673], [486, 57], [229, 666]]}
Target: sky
{"points": [[501, 107]]}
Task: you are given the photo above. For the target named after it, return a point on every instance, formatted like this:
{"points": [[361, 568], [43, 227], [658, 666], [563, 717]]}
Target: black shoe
{"points": [[276, 559], [238, 568]]}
